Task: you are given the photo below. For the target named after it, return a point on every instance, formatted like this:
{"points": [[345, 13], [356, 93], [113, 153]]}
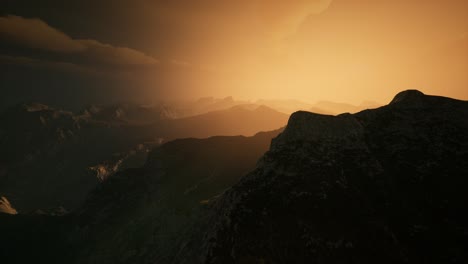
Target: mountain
{"points": [[386, 185], [205, 105], [127, 113], [140, 214], [238, 120], [51, 159], [285, 106], [321, 107], [47, 153], [381, 186], [144, 215], [181, 109], [6, 207]]}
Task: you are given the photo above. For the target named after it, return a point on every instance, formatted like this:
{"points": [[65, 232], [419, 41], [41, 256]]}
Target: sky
{"points": [[76, 52]]}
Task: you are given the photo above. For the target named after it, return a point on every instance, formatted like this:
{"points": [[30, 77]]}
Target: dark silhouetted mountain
{"points": [[386, 185], [156, 208], [46, 155], [380, 186], [127, 113], [52, 158], [144, 215], [34, 239]]}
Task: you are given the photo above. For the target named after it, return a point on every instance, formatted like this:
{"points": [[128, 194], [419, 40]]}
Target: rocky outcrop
{"points": [[6, 207], [380, 186], [150, 214]]}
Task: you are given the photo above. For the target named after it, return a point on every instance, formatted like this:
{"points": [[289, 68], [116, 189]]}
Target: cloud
{"points": [[47, 64], [282, 18], [180, 63], [35, 33], [277, 18], [109, 54]]}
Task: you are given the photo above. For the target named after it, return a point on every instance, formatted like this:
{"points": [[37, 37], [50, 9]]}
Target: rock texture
{"points": [[51, 158], [6, 207], [380, 186], [150, 214]]}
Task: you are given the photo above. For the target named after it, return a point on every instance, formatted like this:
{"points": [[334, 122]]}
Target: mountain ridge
{"points": [[384, 185]]}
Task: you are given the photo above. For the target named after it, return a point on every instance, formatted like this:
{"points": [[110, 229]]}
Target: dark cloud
{"points": [[115, 55], [46, 64], [35, 33], [309, 49]]}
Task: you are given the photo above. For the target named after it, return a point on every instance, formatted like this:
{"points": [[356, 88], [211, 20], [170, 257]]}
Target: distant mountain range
{"points": [[321, 107], [333, 108], [181, 109], [238, 120], [385, 185]]}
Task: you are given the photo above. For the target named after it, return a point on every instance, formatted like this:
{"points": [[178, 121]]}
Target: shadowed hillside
{"points": [[140, 214], [52, 158], [380, 186]]}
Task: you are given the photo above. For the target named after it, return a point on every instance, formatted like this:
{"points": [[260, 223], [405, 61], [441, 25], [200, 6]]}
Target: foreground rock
{"points": [[380, 186]]}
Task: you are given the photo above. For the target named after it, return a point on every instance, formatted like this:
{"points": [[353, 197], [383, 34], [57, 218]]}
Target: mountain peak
{"points": [[409, 97], [306, 126]]}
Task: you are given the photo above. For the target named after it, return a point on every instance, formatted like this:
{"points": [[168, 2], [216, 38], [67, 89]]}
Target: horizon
{"points": [[279, 105], [234, 131], [143, 51]]}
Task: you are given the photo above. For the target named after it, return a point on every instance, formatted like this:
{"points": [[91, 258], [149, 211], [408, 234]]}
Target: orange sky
{"points": [[338, 50]]}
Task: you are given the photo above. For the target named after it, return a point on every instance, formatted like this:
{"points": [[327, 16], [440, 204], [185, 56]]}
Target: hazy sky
{"points": [[82, 51]]}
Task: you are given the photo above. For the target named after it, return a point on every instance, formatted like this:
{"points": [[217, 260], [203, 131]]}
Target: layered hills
{"points": [[380, 186], [386, 185], [142, 214], [52, 158]]}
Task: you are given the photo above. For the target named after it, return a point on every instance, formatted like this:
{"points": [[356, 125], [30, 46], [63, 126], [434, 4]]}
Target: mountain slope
{"points": [[46, 154], [244, 120], [381, 186], [51, 158], [146, 215]]}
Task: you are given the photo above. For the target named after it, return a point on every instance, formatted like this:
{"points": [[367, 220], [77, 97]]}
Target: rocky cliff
{"points": [[380, 186]]}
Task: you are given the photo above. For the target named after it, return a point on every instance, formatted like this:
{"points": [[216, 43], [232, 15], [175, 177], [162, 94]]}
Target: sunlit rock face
{"points": [[6, 207], [380, 186]]}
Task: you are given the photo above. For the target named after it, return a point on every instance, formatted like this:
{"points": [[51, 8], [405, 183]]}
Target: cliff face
{"points": [[380, 186], [147, 215], [6, 207]]}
